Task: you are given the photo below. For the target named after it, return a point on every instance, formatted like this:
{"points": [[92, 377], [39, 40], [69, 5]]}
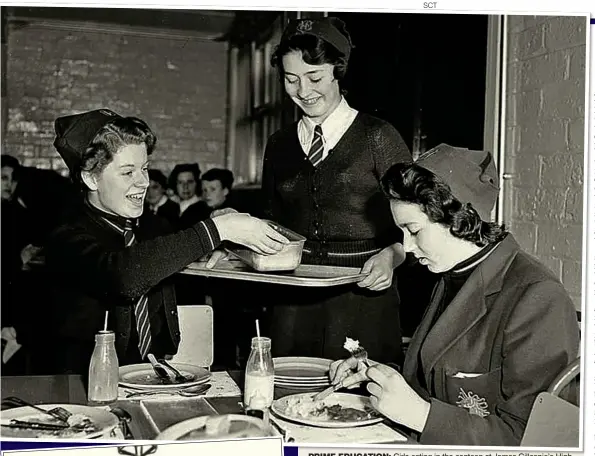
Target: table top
{"points": [[70, 389]]}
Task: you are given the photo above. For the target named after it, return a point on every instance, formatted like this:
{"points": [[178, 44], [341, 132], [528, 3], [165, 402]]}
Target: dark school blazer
{"points": [[91, 271], [501, 341]]}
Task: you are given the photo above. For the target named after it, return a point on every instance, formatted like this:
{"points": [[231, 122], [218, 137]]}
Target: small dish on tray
{"points": [[288, 259]]}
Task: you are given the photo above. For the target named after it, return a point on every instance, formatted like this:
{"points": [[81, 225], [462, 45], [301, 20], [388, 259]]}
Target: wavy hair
{"points": [[315, 51], [184, 168], [411, 183], [109, 140]]}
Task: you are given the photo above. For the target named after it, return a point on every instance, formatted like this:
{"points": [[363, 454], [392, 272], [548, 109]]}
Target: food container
{"points": [[288, 259], [217, 427]]}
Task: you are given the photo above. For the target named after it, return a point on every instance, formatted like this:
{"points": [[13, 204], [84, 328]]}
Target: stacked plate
{"points": [[302, 373]]}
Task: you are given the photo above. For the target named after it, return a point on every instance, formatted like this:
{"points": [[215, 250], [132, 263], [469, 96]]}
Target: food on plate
{"points": [[325, 410], [151, 378], [351, 345]]}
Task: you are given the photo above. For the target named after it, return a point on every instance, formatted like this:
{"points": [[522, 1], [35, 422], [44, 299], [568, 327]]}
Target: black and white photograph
{"points": [[329, 227], [250, 447]]}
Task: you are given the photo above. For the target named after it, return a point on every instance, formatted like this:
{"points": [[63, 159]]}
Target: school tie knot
{"points": [[129, 237], [317, 146]]}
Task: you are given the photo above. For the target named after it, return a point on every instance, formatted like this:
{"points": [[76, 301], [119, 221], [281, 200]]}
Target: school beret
{"points": [[75, 132], [330, 29], [471, 175]]}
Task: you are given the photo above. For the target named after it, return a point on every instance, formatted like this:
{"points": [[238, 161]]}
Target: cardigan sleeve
{"points": [[540, 339], [77, 256], [268, 181], [388, 149]]}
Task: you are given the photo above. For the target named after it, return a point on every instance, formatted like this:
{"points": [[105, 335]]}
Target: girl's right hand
{"points": [[249, 231], [351, 370]]}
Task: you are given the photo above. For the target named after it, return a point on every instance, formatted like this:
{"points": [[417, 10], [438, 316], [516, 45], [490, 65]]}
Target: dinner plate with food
{"points": [[143, 376], [77, 422], [336, 411]]}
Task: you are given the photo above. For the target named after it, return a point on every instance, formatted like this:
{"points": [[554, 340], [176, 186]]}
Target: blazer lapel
{"points": [[468, 306], [411, 359], [457, 319]]}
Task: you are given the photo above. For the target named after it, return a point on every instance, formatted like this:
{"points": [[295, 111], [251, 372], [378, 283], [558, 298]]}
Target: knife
{"points": [[354, 379], [33, 425]]}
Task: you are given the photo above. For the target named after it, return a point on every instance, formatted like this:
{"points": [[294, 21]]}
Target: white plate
{"points": [[241, 427], [304, 385], [142, 376], [279, 407], [302, 368], [302, 388], [104, 420], [298, 382], [304, 381]]}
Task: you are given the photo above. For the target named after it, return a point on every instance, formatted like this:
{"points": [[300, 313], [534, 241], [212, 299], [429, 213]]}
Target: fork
{"points": [[179, 377], [159, 368], [361, 354], [59, 413]]}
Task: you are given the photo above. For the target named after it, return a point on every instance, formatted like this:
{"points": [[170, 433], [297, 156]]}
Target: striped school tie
{"points": [[141, 308], [317, 147]]}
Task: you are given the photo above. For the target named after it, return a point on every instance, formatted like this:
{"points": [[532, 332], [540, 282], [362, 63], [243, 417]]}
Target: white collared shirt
{"points": [[333, 128], [187, 203]]}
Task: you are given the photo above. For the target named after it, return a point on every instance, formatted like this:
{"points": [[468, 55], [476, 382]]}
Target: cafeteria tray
{"points": [[163, 413], [306, 275]]}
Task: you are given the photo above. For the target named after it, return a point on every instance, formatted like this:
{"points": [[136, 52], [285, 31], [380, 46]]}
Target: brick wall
{"points": [[545, 140], [177, 86]]}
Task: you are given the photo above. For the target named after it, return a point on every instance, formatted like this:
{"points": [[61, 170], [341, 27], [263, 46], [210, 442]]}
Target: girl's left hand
{"points": [[380, 271], [392, 396]]}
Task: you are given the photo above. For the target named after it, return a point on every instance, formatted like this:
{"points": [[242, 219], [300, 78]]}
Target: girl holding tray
{"points": [[321, 179]]}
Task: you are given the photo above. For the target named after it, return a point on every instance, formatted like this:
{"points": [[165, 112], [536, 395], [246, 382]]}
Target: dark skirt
{"points": [[307, 321]]}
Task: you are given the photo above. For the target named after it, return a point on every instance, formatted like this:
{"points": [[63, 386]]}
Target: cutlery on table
{"points": [[190, 391], [125, 419], [179, 377], [159, 368], [18, 424], [59, 413]]}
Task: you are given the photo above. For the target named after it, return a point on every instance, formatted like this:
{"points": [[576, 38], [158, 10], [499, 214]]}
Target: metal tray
{"points": [[306, 275], [163, 413]]}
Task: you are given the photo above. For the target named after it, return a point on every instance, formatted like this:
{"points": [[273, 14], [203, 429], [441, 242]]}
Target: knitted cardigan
{"points": [[339, 201]]}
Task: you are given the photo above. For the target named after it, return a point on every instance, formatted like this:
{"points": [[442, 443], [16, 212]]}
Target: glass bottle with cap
{"points": [[259, 382], [103, 370]]}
